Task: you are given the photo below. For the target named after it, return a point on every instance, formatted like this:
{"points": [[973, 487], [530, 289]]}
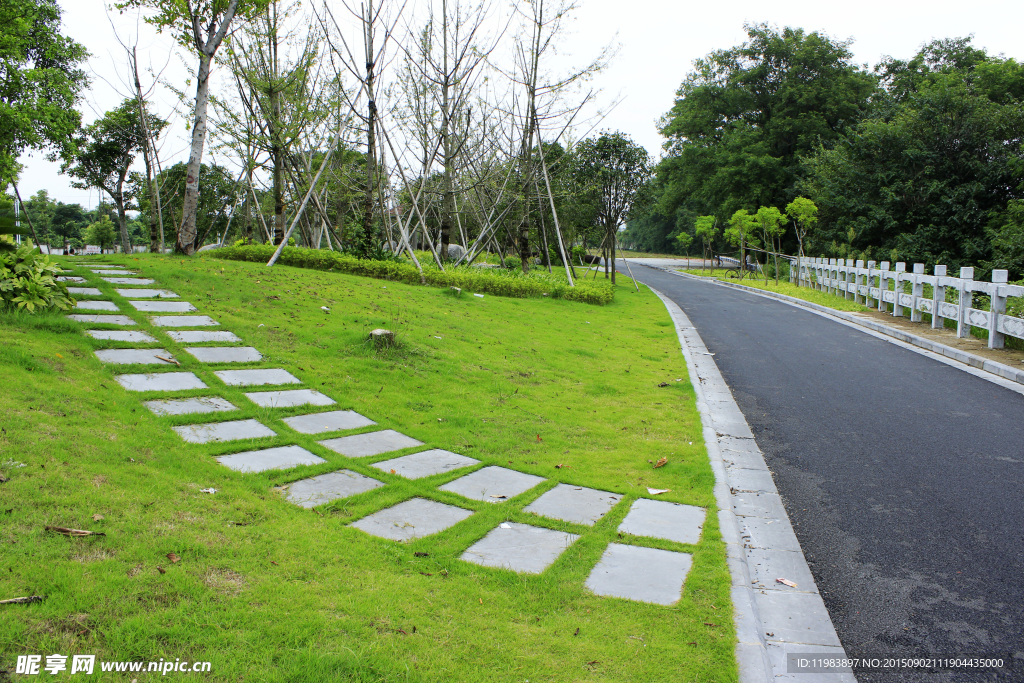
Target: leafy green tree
{"points": [[804, 215], [1007, 233], [68, 221], [101, 233], [742, 232], [40, 82], [614, 169], [705, 228], [745, 115], [770, 222], [217, 191]]}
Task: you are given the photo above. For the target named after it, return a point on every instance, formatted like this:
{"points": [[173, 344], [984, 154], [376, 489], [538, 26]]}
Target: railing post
{"points": [[869, 280], [963, 326], [883, 285], [997, 308], [856, 281], [938, 296], [897, 307], [916, 292]]}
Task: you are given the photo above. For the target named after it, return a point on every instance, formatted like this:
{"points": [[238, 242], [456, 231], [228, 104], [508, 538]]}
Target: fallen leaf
{"points": [[577, 631], [73, 532], [173, 558], [392, 471], [421, 554], [593, 663], [539, 439], [161, 569], [401, 631], [481, 601], [710, 624], [786, 582], [657, 492], [97, 517], [426, 574], [661, 463], [27, 600], [274, 563]]}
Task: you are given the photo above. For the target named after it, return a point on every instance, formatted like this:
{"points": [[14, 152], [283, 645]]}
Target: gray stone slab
{"points": [[331, 421], [69, 278], [371, 443], [796, 618], [147, 293], [84, 291], [163, 306], [121, 336], [519, 547], [96, 306], [780, 654], [742, 479], [758, 532], [760, 504], [766, 565], [254, 378], [189, 406], [279, 458], [161, 381], [128, 280], [113, 271], [661, 519], [290, 399], [225, 354], [183, 321], [414, 518], [134, 356], [574, 504], [425, 464], [197, 336], [102, 319], [492, 484], [331, 486], [223, 431], [641, 574]]}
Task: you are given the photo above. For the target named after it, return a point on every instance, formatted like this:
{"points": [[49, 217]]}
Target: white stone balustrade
{"points": [[879, 285]]}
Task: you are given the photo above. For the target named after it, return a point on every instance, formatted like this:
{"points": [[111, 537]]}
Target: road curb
{"points": [[999, 369], [772, 620]]}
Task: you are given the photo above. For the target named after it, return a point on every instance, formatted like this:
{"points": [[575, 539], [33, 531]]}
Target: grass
{"points": [[268, 591], [783, 287]]}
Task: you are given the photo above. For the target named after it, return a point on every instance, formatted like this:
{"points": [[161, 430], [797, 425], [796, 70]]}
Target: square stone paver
{"points": [[128, 280], [661, 519], [254, 378], [163, 306], [147, 293], [225, 354], [641, 574], [279, 458], [371, 443], [414, 518], [197, 336], [183, 321], [161, 381], [290, 399], [102, 319], [85, 291], [519, 547], [492, 484], [96, 306], [189, 406], [69, 278], [425, 464], [327, 487], [574, 504], [134, 356], [121, 336], [331, 421], [223, 431], [113, 271]]}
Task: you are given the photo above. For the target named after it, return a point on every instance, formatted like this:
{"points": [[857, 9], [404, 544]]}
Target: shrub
{"points": [[28, 281], [511, 283]]}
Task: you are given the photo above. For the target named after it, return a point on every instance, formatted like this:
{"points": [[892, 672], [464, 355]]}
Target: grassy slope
{"points": [[269, 591]]}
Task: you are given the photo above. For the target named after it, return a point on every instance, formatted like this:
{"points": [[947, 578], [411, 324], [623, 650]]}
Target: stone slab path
{"points": [[624, 571]]}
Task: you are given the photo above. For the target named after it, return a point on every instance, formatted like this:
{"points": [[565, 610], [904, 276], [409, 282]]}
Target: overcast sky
{"points": [[658, 41]]}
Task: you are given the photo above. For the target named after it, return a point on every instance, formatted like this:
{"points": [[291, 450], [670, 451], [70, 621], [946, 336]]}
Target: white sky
{"points": [[658, 40]]}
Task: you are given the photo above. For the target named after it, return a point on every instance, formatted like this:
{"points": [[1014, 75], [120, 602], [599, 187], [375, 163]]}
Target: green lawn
{"points": [[783, 287], [268, 591]]}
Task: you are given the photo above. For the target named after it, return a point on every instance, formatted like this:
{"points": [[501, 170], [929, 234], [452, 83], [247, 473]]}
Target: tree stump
{"points": [[382, 339]]}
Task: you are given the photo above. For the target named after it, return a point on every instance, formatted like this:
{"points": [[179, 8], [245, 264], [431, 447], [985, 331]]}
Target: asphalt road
{"points": [[903, 476]]}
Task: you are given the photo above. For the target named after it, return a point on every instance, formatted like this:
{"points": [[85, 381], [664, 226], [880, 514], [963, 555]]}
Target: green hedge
{"points": [[511, 283]]}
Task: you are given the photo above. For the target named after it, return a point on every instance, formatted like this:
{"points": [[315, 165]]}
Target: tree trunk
{"points": [[190, 204], [366, 239], [614, 236], [122, 221]]}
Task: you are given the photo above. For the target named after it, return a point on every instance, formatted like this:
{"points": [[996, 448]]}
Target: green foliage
{"points": [[614, 169], [28, 280], [41, 82], [1007, 234], [101, 233], [510, 283], [804, 214], [741, 230]]}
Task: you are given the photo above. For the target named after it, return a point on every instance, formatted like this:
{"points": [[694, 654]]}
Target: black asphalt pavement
{"points": [[903, 476]]}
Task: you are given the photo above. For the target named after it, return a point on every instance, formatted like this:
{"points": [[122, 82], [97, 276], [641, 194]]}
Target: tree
{"points": [[745, 115], [769, 220], [1007, 233], [217, 192], [101, 233], [705, 228], [68, 221], [804, 215], [107, 149], [40, 82], [741, 233], [198, 25], [614, 169]]}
